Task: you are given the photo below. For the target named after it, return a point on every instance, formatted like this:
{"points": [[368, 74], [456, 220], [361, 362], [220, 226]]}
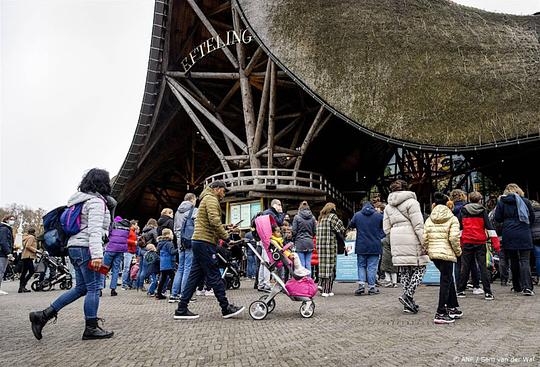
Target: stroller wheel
{"points": [[69, 284], [235, 283], [307, 309], [46, 285], [35, 286], [271, 305], [258, 310]]}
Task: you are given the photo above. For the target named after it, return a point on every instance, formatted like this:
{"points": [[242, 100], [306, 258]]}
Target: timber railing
{"points": [[281, 180]]}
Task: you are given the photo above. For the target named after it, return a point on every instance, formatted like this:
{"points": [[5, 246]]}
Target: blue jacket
{"points": [[368, 224], [167, 254], [6, 240], [278, 217], [458, 205], [516, 235]]}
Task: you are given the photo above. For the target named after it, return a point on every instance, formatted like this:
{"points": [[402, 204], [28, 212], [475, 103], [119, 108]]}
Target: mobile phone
{"points": [[103, 269], [237, 223]]}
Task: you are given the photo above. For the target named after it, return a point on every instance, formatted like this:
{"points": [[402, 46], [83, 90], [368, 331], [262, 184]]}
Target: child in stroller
{"points": [[227, 255], [59, 273], [299, 288]]}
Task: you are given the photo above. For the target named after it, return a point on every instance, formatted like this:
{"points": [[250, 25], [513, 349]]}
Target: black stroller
{"points": [[59, 273], [230, 266]]}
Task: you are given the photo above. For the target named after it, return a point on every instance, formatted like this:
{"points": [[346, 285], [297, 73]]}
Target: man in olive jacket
{"points": [[208, 231]]}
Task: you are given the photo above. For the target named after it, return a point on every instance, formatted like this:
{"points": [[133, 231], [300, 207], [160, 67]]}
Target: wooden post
{"points": [[262, 107], [272, 115], [309, 138], [247, 97], [199, 125]]}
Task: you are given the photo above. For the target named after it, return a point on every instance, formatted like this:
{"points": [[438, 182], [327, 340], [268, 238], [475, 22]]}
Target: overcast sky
{"points": [[72, 79]]}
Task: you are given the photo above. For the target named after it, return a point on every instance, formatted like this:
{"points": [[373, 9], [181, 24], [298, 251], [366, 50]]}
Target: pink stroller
{"points": [[300, 290]]}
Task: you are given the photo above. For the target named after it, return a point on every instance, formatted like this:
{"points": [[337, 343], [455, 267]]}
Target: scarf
{"points": [[523, 211]]}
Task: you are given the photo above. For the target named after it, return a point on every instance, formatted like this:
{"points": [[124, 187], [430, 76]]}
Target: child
{"points": [[476, 227], [276, 240], [441, 239], [167, 253]]}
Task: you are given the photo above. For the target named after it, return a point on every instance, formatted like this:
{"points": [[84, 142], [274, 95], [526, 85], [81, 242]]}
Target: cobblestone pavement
{"points": [[345, 330]]}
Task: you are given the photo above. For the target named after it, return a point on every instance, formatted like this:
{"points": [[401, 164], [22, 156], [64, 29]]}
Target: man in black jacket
{"points": [[6, 245]]}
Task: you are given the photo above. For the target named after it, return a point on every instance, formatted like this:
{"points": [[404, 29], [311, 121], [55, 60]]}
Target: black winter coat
{"points": [[535, 228], [165, 222], [6, 240], [303, 230], [516, 235]]}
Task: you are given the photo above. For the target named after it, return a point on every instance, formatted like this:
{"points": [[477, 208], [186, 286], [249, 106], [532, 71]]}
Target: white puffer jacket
{"points": [[95, 221], [404, 223]]}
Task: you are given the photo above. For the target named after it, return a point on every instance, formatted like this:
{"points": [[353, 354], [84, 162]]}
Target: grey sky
{"points": [[72, 78]]}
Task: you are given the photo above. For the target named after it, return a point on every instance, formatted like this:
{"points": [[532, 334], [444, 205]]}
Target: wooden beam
{"points": [[203, 75], [253, 61], [272, 114], [236, 157], [212, 31], [321, 126], [225, 6], [219, 124], [309, 137], [228, 96], [247, 97], [199, 125], [262, 108]]}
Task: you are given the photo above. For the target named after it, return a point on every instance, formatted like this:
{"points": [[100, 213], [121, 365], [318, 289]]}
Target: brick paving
{"points": [[345, 331]]}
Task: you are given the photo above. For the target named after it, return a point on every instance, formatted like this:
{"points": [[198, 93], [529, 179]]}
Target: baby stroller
{"points": [[302, 290], [231, 270], [59, 273]]}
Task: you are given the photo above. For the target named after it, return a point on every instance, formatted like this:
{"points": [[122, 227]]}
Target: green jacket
{"points": [[208, 226]]}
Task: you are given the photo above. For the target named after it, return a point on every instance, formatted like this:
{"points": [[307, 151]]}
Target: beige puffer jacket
{"points": [[441, 235], [404, 223]]}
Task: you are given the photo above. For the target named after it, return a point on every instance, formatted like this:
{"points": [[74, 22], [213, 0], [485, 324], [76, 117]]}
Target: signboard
{"points": [[432, 275], [346, 266], [243, 212]]}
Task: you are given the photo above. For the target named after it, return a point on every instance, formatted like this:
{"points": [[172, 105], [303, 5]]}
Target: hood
{"points": [[368, 209], [508, 199], [398, 197], [305, 214], [80, 197], [185, 207], [208, 191], [5, 224], [441, 214], [474, 208], [147, 229], [163, 219]]}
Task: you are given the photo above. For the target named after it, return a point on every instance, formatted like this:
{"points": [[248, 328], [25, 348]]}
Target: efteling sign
{"points": [[213, 44]]}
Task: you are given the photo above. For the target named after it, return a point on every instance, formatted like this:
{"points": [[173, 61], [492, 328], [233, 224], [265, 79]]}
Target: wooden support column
{"points": [[272, 114], [212, 31], [247, 97], [206, 135], [262, 107], [309, 137]]}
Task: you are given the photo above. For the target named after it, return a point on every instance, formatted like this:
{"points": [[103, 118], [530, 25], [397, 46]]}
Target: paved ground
{"points": [[345, 331]]}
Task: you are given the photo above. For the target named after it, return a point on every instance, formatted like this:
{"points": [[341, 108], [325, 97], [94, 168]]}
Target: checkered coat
{"points": [[327, 244]]}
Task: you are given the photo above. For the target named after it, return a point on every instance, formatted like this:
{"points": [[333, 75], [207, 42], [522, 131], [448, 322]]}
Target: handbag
{"points": [[185, 241]]}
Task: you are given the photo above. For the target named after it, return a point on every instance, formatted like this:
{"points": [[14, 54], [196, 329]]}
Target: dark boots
{"points": [[94, 331], [39, 319]]}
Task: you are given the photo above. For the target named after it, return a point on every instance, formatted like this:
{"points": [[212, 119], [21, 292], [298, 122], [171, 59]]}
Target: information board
{"points": [[346, 266], [243, 212], [432, 275]]}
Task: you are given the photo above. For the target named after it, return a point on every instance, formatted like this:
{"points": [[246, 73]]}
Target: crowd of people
{"points": [[394, 241]]}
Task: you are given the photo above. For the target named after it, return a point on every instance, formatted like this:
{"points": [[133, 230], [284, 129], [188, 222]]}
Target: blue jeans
{"points": [[367, 264], [305, 259], [182, 273], [153, 283], [126, 279], [142, 273], [204, 266], [113, 260], [86, 284], [251, 266]]}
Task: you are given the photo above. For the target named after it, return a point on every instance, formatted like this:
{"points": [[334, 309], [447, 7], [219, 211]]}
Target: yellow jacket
{"points": [[208, 226], [441, 235]]}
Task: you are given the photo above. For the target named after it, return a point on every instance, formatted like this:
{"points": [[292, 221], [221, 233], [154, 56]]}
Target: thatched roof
{"points": [[424, 71]]}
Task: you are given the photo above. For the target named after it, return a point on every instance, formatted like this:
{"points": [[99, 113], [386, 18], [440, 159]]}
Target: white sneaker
{"points": [[331, 294], [200, 293], [3, 293], [209, 293], [325, 294], [477, 291]]}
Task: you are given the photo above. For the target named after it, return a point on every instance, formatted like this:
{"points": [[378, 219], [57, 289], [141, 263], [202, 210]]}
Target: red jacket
{"points": [[132, 241], [476, 226]]}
